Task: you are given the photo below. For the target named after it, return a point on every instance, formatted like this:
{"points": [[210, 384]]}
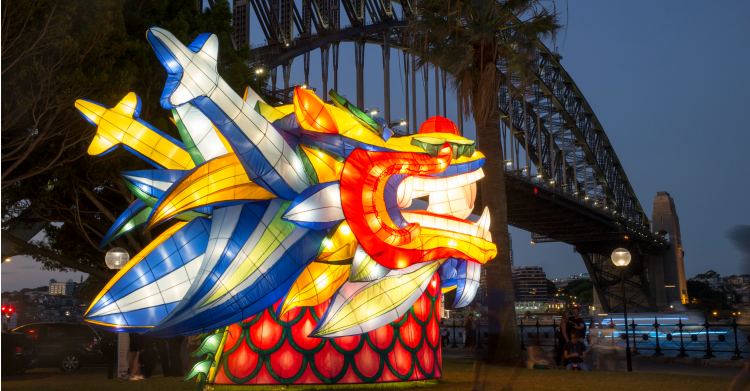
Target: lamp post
{"points": [[621, 258], [116, 258]]}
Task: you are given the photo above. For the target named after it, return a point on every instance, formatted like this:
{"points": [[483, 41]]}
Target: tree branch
{"points": [[32, 249]]}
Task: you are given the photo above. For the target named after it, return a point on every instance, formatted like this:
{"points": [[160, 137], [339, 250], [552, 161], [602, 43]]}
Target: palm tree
{"points": [[470, 39]]}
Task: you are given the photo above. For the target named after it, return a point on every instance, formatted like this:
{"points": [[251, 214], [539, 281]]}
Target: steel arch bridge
{"points": [[578, 192]]}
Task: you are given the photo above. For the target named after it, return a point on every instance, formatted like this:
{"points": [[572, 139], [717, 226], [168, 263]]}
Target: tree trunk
{"points": [[503, 336]]}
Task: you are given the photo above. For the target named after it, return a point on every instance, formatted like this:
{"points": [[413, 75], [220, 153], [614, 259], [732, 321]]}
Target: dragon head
{"points": [[295, 204]]}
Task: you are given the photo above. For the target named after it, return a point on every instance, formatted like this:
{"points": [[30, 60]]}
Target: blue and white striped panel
{"points": [[467, 282], [154, 182], [202, 131], [231, 228], [151, 289], [278, 267]]}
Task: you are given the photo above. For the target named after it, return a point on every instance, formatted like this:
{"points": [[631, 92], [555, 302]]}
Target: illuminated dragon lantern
{"points": [[305, 244]]}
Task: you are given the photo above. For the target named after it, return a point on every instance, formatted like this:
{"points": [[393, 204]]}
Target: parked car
{"points": [[68, 346], [17, 353]]}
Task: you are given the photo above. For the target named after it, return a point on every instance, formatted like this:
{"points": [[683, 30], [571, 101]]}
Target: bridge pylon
{"points": [[671, 273]]}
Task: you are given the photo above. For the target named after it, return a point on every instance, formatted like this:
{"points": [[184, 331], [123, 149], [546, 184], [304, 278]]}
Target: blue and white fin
{"points": [[252, 259], [149, 287], [135, 215], [317, 207]]}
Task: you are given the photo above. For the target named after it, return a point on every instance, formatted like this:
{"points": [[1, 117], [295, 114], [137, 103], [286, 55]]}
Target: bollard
{"points": [[523, 347], [635, 342], [658, 348], [682, 345], [709, 353]]}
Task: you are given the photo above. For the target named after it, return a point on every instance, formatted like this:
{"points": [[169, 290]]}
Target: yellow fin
{"points": [[129, 106]]}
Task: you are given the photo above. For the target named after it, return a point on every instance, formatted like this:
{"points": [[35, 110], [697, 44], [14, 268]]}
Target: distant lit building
{"points": [[582, 276], [62, 288], [529, 284]]}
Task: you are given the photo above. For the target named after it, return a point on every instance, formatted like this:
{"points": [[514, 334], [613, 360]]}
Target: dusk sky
{"points": [[667, 80]]}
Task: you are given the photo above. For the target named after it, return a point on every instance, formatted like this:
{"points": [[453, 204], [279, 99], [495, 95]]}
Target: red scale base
{"points": [[267, 350]]}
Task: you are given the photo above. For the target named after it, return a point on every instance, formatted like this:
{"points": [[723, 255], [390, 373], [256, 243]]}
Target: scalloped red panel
{"points": [[267, 350]]}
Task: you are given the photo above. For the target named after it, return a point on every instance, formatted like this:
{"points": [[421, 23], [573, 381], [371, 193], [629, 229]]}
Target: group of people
{"points": [[469, 333], [144, 351], [571, 351]]}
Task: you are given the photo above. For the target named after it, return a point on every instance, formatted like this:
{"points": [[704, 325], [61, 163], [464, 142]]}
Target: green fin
{"points": [[201, 367], [192, 149], [360, 116], [309, 169], [209, 346], [432, 146]]}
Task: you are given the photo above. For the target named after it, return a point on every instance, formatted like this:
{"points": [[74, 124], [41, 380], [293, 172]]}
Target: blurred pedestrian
{"points": [[562, 338], [175, 356], [149, 355], [135, 351], [163, 350], [471, 330], [537, 357]]}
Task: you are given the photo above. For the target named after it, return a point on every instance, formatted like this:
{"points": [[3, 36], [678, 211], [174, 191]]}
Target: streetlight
{"points": [[621, 258], [6, 259], [116, 258]]}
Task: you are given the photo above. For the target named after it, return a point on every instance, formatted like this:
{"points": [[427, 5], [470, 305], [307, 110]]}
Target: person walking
{"points": [[470, 330], [136, 346], [562, 338], [175, 358]]}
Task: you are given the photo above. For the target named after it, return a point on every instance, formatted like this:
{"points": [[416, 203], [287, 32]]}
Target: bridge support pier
{"points": [[306, 60], [287, 70], [414, 93], [359, 62], [551, 145], [539, 153], [460, 111], [425, 80], [445, 79], [387, 76], [273, 79], [437, 90], [406, 89], [335, 67], [526, 136], [606, 279], [324, 70]]}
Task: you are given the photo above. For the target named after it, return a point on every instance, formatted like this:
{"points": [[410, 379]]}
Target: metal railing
{"points": [[706, 340]]}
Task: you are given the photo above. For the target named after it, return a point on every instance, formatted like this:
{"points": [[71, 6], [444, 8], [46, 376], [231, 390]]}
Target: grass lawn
{"points": [[458, 375]]}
